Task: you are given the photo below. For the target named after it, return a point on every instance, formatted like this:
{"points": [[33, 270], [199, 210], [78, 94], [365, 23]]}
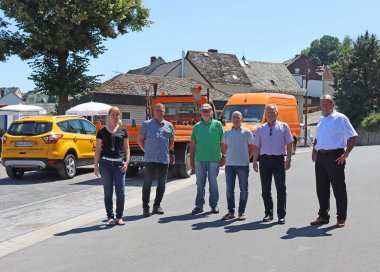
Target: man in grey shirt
{"points": [[237, 148], [156, 139]]}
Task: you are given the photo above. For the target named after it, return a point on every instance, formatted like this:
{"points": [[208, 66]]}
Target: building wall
{"points": [[190, 72], [327, 88], [314, 88], [136, 112]]}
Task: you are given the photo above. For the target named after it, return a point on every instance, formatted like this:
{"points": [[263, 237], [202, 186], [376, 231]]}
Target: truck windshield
{"points": [[251, 113], [180, 109]]}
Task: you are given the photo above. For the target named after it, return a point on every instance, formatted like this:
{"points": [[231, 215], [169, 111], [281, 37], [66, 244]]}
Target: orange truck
{"points": [[183, 112], [252, 106]]}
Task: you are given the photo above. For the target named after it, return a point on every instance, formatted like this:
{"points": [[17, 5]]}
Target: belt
{"points": [[272, 156], [113, 159], [330, 150]]}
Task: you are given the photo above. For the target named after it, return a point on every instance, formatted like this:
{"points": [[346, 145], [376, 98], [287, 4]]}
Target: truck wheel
{"points": [[14, 173], [69, 168], [184, 170], [174, 170], [294, 146], [132, 171]]}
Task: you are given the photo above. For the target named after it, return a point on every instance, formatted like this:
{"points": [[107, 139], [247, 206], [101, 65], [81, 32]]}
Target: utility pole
{"points": [[306, 94]]}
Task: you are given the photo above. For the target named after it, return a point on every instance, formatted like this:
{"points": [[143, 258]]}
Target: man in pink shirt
{"points": [[272, 141]]}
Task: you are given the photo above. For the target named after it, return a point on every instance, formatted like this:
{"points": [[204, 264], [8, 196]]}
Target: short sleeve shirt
{"points": [[156, 144], [207, 139], [333, 131], [272, 139], [237, 141], [112, 143]]}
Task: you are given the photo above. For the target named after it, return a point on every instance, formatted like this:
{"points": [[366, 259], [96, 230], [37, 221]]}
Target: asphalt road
{"points": [[72, 235]]}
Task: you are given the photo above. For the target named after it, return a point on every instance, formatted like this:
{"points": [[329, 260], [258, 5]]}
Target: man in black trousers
{"points": [[334, 134]]}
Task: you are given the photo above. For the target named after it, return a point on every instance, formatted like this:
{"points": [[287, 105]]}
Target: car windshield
{"points": [[29, 128], [251, 113]]}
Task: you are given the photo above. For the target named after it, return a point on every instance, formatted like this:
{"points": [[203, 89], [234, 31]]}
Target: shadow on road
{"points": [[99, 226], [308, 231], [257, 225], [214, 224], [182, 217]]}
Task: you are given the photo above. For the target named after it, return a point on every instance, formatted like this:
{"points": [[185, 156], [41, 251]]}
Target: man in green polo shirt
{"points": [[206, 158]]}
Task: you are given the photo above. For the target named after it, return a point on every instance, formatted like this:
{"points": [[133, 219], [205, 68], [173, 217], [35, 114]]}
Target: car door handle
{"points": [[75, 139], [91, 140]]}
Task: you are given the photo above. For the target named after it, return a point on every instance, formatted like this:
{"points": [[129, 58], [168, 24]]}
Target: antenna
{"points": [[116, 71]]}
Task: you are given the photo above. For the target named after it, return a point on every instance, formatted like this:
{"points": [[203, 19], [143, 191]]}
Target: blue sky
{"points": [[264, 30]]}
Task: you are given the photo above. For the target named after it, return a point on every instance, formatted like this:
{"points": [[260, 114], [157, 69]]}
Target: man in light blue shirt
{"points": [[156, 139], [237, 148]]}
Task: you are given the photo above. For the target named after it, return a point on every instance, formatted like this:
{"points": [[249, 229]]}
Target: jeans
{"points": [[112, 176], [204, 169], [149, 173], [328, 172], [242, 172], [273, 166]]}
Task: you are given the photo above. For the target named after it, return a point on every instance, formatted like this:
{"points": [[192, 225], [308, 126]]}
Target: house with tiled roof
{"points": [[273, 78], [316, 84], [128, 92], [213, 69]]}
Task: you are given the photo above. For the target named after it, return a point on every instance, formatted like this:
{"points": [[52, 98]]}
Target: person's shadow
{"points": [[98, 227], [182, 217], [257, 225], [214, 224], [308, 231]]}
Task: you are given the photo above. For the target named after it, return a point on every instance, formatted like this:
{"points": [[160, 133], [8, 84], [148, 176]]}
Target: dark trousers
{"points": [[149, 173], [273, 166], [328, 172]]}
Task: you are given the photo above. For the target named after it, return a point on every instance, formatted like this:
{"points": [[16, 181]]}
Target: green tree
{"points": [[357, 79], [326, 50], [58, 37]]}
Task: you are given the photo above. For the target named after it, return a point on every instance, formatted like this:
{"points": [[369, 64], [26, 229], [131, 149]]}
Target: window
{"points": [[297, 70], [29, 128], [75, 127], [125, 115], [89, 128]]}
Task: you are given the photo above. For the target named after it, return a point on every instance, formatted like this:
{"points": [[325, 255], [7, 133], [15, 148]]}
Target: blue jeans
{"points": [[112, 176], [204, 169], [242, 172]]}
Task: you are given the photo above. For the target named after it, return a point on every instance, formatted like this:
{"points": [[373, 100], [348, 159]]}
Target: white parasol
{"points": [[89, 109]]}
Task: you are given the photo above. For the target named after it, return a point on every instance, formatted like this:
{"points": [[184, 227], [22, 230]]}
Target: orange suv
{"points": [[48, 142]]}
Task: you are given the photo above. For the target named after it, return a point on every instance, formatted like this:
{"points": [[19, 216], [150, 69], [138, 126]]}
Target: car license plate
{"points": [[136, 158], [23, 144]]}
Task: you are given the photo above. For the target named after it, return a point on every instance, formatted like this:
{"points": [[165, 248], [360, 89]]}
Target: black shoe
{"points": [[157, 210], [281, 221], [197, 210], [268, 218], [228, 216], [215, 209], [146, 212]]}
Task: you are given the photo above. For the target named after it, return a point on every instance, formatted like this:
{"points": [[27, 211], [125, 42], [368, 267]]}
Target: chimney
{"points": [[152, 59], [213, 50]]}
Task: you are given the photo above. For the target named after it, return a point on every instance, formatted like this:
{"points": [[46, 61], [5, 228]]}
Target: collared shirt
{"points": [[333, 131], [207, 137], [156, 144], [237, 141], [272, 139]]}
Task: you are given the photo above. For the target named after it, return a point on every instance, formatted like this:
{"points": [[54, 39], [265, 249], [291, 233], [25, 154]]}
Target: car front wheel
{"points": [[69, 168]]}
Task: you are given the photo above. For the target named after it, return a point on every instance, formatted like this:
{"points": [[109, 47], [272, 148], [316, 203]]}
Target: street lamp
{"points": [[307, 70], [320, 71]]}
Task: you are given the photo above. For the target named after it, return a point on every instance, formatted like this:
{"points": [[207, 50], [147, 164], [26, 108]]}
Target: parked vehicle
{"points": [[48, 142], [252, 107]]}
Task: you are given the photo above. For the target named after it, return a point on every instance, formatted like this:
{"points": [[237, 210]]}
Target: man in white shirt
{"points": [[334, 134]]}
